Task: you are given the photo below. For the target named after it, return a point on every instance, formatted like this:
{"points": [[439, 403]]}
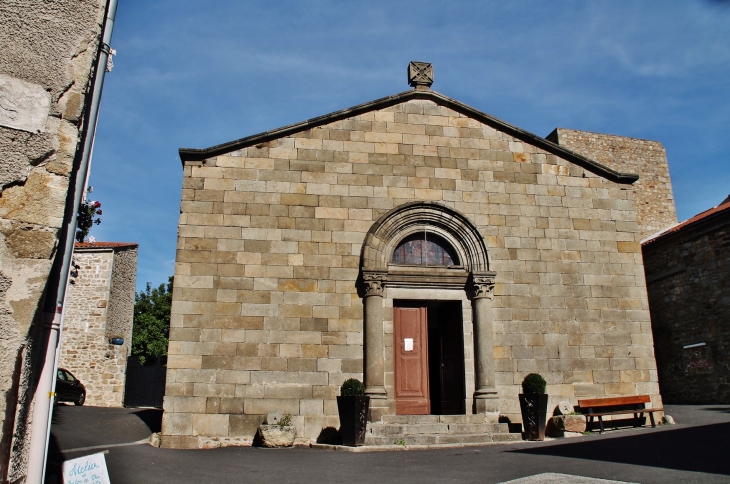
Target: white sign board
{"points": [[408, 343], [90, 469]]}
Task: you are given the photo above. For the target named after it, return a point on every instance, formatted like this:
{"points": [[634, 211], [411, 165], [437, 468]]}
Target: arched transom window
{"points": [[425, 249]]}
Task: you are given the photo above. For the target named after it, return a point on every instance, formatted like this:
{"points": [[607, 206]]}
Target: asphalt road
{"points": [[695, 450]]}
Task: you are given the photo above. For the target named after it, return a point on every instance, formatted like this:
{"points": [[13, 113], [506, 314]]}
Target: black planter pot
{"points": [[353, 419], [534, 414]]}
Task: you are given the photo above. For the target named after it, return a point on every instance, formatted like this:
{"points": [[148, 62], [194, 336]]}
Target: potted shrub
{"points": [[533, 403], [353, 405]]}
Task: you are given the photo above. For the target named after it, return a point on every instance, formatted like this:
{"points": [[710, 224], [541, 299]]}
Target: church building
{"points": [[416, 243]]}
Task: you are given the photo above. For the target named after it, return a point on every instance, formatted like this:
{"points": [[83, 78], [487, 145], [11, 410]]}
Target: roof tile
{"points": [[725, 205], [85, 245]]}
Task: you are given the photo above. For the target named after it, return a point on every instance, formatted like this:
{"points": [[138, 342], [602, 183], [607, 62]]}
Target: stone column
{"points": [[374, 283], [485, 395]]}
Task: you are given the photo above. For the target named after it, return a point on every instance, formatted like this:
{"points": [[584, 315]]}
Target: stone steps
{"points": [[437, 429], [389, 430], [434, 419]]}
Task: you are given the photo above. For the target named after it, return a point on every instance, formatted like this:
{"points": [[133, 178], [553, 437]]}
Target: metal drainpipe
{"points": [[58, 279]]}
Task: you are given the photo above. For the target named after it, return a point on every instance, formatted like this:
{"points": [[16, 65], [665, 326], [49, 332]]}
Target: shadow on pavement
{"points": [[55, 460], [56, 417], [329, 435], [694, 449], [717, 409], [152, 418]]}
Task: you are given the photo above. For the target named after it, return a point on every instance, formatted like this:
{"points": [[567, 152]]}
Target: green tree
{"points": [[152, 322]]}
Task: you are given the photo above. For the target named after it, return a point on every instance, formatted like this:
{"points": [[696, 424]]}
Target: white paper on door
{"points": [[408, 343]]}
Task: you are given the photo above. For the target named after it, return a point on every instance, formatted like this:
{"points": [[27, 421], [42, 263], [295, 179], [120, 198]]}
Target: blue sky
{"points": [[194, 74]]}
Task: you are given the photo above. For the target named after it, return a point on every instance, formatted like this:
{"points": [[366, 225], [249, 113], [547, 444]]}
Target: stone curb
{"points": [[388, 448]]}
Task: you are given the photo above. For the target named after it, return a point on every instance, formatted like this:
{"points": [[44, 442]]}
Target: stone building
{"points": [[653, 197], [388, 239], [688, 280], [47, 54], [100, 308]]}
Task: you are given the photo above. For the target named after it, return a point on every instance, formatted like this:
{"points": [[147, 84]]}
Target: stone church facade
{"points": [[410, 226]]}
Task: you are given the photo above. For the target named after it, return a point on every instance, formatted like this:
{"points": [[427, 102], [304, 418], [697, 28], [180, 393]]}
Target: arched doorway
{"points": [[426, 267]]}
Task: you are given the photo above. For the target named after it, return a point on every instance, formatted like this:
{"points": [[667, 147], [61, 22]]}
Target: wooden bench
{"points": [[600, 407]]}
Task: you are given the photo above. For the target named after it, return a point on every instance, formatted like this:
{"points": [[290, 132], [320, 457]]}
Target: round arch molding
{"points": [[400, 221], [473, 275]]}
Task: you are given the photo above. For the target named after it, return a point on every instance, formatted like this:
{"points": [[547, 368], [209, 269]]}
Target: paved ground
{"points": [[695, 450]]}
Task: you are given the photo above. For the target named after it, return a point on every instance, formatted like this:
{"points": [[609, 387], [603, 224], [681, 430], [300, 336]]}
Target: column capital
{"points": [[374, 282], [482, 284]]}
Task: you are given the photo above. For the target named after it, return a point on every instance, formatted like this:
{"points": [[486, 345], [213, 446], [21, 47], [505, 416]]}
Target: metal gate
{"points": [[145, 385]]}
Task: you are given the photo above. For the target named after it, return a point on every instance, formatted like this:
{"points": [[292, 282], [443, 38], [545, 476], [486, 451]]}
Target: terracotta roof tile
{"points": [[86, 245], [725, 205]]}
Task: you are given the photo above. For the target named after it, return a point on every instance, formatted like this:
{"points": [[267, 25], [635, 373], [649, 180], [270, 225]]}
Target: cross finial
{"points": [[420, 75]]}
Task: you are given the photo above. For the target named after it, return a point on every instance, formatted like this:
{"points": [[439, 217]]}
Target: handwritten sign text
{"points": [[90, 469]]}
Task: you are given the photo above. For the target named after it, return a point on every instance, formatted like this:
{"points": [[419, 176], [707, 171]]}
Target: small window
{"points": [[70, 377], [425, 249], [60, 375]]}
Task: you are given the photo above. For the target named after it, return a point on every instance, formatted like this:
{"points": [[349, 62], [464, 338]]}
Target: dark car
{"points": [[69, 388]]}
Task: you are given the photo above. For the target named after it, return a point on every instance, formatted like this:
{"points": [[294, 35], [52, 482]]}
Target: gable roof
{"points": [[193, 154], [723, 208]]}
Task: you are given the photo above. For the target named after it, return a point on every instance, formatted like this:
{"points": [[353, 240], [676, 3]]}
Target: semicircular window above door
{"points": [[425, 249]]}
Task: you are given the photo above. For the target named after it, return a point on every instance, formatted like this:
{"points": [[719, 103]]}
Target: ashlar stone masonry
{"points": [[653, 196], [286, 285]]}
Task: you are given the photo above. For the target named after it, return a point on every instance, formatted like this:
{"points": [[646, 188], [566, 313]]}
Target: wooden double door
{"points": [[429, 358]]}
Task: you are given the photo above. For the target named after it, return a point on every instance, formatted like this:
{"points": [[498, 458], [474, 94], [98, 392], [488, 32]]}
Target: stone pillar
{"points": [[485, 395], [374, 283]]}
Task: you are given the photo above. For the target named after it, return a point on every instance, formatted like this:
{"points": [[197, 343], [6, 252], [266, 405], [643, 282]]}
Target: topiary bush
{"points": [[352, 388], [533, 383]]}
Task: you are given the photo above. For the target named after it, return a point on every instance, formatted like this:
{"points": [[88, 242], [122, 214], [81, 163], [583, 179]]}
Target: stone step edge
{"points": [[406, 435], [388, 448], [380, 425], [426, 439], [432, 419]]}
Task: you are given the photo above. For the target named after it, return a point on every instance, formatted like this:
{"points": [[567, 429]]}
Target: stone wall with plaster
{"points": [[45, 67], [100, 306], [266, 311], [653, 196]]}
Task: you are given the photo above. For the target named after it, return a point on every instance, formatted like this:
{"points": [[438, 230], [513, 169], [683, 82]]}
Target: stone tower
{"points": [[653, 196]]}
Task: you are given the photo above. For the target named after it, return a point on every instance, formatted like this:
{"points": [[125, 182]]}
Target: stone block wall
{"points": [[45, 66], [653, 194], [266, 313], [100, 306], [123, 285], [688, 279]]}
